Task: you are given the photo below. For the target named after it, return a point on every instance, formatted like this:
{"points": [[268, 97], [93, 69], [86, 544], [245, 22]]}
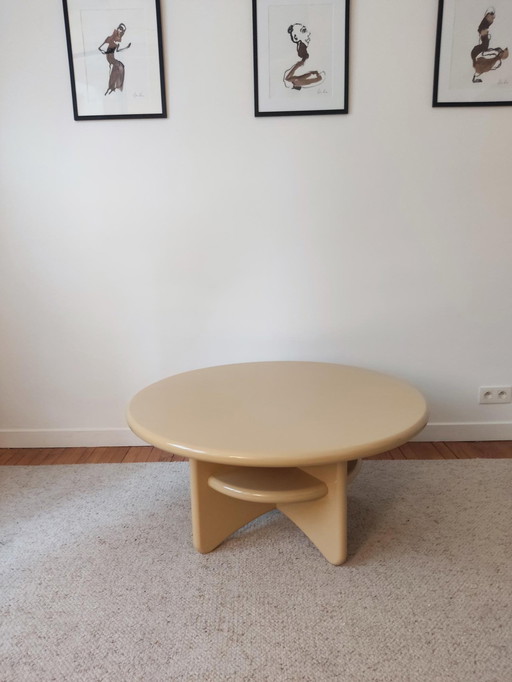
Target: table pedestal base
{"points": [[315, 500]]}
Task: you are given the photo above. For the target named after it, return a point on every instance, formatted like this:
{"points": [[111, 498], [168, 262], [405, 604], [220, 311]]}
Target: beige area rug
{"points": [[99, 580]]}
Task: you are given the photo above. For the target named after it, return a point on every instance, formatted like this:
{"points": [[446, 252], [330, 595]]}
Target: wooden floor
{"points": [[441, 450]]}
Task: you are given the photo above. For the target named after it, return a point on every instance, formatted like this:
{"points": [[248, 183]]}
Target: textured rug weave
{"points": [[99, 580]]}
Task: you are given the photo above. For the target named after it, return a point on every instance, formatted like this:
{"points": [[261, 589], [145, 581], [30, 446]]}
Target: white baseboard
{"points": [[465, 431], [94, 438], [67, 438]]}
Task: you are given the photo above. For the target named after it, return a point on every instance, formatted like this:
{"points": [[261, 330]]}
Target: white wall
{"points": [[132, 250]]}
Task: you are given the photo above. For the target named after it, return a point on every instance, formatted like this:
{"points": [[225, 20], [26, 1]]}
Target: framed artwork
{"points": [[300, 57], [115, 58], [472, 65]]}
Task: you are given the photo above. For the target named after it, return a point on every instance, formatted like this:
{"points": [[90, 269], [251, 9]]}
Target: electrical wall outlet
{"points": [[492, 395]]}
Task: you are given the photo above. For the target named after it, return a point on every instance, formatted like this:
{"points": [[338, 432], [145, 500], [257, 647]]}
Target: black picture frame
{"points": [[135, 87], [468, 58], [286, 83]]}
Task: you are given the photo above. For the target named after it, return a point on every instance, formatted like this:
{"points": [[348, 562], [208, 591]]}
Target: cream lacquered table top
{"points": [[278, 414]]}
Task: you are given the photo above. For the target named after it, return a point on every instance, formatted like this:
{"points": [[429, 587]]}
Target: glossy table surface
{"points": [[278, 414]]}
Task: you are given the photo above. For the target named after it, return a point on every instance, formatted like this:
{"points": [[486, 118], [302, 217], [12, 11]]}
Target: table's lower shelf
{"points": [[272, 485], [268, 485]]}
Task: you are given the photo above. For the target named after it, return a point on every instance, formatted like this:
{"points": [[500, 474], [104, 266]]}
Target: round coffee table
{"points": [[285, 435]]}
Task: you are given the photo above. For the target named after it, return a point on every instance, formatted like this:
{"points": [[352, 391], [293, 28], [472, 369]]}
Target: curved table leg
{"points": [[214, 515], [324, 521]]}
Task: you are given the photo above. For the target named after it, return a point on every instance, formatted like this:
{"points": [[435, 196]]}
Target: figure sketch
{"points": [[300, 35], [486, 58], [116, 68]]}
